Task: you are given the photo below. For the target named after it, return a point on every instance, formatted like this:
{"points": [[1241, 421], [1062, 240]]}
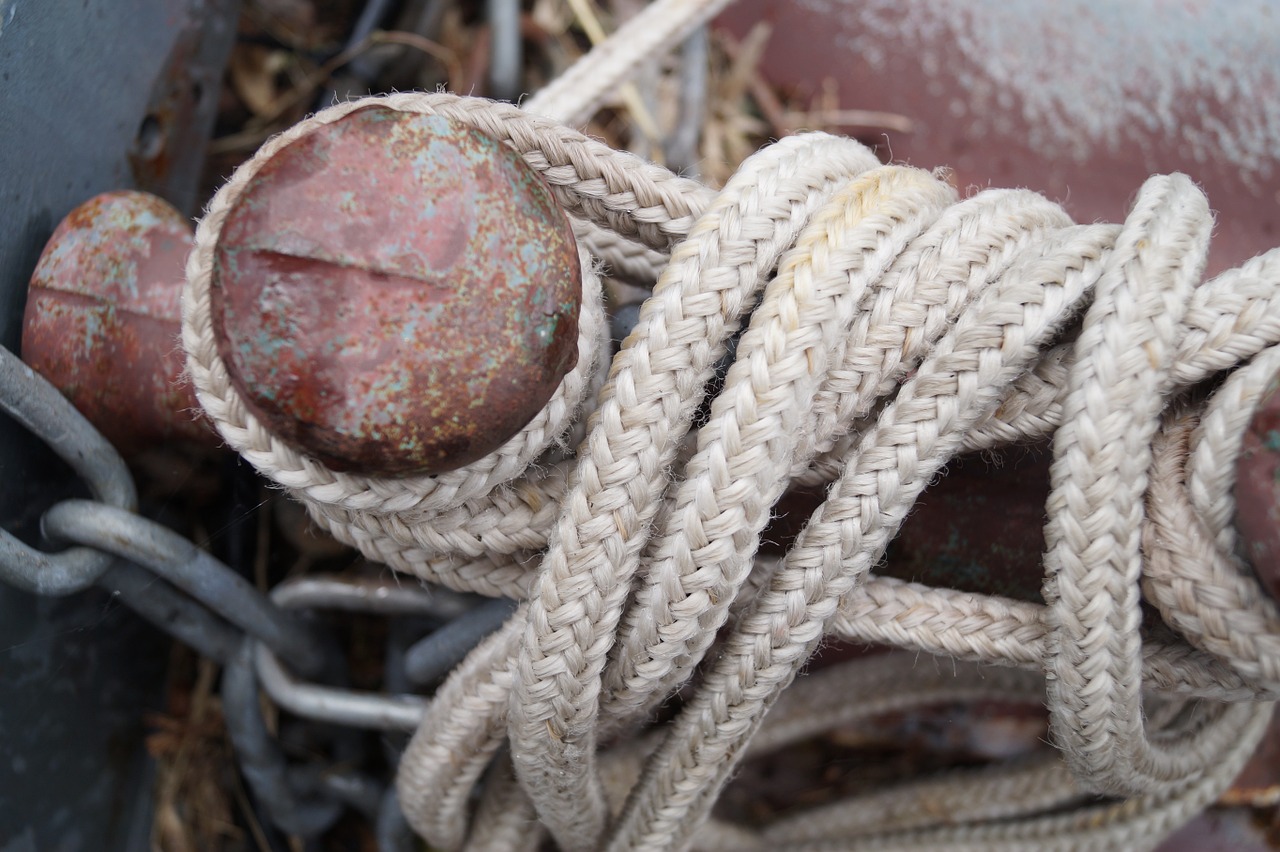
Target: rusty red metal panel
{"points": [[1224, 830], [103, 319], [979, 528], [1258, 784], [396, 293], [1258, 490], [1080, 100]]}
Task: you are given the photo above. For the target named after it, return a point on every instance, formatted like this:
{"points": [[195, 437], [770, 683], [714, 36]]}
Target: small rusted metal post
{"points": [[103, 320]]}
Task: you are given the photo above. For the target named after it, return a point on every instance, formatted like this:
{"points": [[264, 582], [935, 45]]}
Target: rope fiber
{"points": [[886, 325]]}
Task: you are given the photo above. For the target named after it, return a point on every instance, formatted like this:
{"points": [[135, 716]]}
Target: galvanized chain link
{"points": [[264, 642]]}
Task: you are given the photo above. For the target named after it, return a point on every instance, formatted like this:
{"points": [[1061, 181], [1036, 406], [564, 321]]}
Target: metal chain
{"points": [[37, 405], [264, 643]]}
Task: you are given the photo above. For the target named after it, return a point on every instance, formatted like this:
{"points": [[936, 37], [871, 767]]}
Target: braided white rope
{"points": [[890, 327], [594, 550], [1136, 824], [1102, 454], [1196, 580]]}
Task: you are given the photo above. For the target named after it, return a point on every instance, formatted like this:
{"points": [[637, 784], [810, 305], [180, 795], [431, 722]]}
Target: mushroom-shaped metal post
{"points": [[103, 320], [396, 293]]}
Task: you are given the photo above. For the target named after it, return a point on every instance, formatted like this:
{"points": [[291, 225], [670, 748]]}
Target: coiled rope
{"points": [[889, 326]]}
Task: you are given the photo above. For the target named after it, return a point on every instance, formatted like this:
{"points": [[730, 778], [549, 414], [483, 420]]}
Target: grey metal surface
{"points": [[73, 689], [99, 95], [78, 80]]}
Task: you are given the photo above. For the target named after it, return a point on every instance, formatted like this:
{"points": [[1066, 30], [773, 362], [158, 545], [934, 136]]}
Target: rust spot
{"points": [[396, 293]]}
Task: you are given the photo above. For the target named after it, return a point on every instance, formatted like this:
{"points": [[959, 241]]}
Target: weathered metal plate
{"points": [[77, 80], [1257, 490], [1081, 100], [396, 293], [1223, 830], [1258, 784]]}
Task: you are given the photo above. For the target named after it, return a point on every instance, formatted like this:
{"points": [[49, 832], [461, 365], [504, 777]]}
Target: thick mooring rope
{"points": [[889, 326]]}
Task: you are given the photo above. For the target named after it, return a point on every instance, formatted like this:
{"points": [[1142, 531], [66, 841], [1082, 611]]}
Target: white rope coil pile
{"points": [[889, 326]]}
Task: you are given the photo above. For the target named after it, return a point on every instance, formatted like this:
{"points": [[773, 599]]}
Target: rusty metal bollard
{"points": [[396, 293], [103, 320]]}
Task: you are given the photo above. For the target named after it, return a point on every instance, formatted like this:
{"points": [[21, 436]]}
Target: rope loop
{"points": [[883, 325]]}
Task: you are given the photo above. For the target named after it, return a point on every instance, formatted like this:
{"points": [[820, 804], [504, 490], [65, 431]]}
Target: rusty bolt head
{"points": [[396, 293], [103, 319], [1258, 490]]}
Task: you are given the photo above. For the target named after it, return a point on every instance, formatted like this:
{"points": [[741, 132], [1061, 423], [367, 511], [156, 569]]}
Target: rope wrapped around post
{"points": [[886, 326]]}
